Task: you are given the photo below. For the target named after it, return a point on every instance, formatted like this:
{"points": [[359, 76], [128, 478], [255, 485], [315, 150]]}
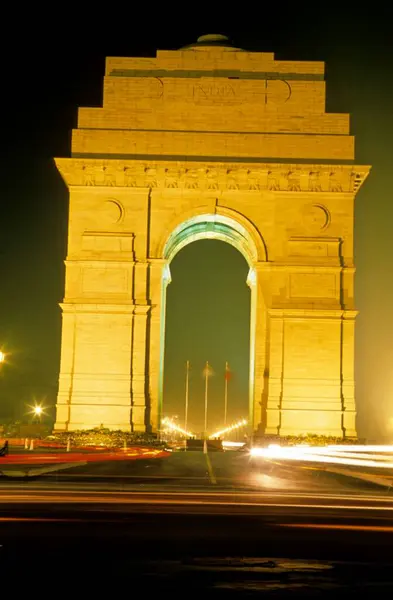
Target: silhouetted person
{"points": [[4, 449]]}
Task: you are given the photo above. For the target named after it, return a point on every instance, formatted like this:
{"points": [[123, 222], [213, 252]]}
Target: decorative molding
{"points": [[199, 176], [290, 267], [108, 243], [93, 306], [311, 313], [77, 262], [314, 249]]}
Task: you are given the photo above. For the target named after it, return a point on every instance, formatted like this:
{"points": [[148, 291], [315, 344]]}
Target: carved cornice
{"points": [[80, 306], [205, 177]]}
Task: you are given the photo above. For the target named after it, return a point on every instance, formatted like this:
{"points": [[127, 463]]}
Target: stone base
{"points": [[86, 416], [305, 422], [138, 428], [83, 426], [351, 434]]}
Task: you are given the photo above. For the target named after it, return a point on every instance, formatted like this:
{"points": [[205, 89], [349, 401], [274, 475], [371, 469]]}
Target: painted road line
{"points": [[210, 470]]}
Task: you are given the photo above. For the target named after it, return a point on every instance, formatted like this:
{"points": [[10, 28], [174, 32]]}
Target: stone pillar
{"points": [[139, 367], [257, 349], [276, 364], [67, 367], [94, 386], [159, 276], [140, 291], [347, 374], [153, 411], [140, 340], [311, 380]]}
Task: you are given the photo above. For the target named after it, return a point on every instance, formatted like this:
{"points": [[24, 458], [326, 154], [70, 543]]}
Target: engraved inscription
{"points": [[201, 91], [270, 91]]}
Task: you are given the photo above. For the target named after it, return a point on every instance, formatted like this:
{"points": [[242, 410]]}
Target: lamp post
{"points": [[187, 394], [2, 357], [208, 372]]}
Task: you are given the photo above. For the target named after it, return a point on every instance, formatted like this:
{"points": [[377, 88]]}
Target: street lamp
{"points": [[37, 411], [2, 357]]}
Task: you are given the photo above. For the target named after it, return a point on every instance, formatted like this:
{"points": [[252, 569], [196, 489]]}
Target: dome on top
{"points": [[214, 38], [211, 40]]}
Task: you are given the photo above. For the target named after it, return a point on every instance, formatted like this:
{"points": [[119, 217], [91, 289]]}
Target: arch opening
{"points": [[224, 229], [213, 227]]}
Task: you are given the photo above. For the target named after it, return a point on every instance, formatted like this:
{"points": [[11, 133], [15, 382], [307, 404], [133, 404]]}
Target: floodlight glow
{"points": [[219, 434], [173, 427]]}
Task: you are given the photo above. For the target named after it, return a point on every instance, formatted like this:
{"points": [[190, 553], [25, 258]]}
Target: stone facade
{"points": [[211, 141]]}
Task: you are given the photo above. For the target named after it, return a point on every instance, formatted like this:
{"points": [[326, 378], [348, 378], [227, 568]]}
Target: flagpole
{"points": [[226, 395], [206, 391], [187, 387]]}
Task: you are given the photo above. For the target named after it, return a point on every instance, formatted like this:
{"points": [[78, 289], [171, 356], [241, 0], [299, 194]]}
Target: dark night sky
{"points": [[51, 71]]}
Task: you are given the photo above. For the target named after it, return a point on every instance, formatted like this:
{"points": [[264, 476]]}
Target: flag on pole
{"points": [[208, 371], [228, 372]]}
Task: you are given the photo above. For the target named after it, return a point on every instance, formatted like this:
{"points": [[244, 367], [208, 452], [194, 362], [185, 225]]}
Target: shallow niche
{"points": [[316, 217], [111, 212]]}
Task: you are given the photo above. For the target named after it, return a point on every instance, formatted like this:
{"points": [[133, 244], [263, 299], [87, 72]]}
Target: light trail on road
{"points": [[358, 456], [83, 457], [338, 527], [200, 499]]}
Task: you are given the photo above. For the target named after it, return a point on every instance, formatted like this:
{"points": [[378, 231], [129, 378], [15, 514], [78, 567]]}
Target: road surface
{"points": [[214, 524], [233, 470], [85, 534]]}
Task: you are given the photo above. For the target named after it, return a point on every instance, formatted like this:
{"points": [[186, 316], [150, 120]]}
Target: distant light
{"points": [[228, 444], [173, 427], [37, 410], [2, 356], [218, 434]]}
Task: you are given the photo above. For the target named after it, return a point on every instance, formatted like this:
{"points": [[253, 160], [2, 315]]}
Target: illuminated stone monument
{"points": [[211, 141]]}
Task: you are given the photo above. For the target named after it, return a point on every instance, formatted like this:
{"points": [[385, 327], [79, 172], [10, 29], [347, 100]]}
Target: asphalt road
{"points": [[213, 501], [214, 525], [214, 540], [230, 470]]}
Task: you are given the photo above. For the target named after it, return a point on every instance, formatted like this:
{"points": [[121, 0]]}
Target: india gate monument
{"points": [[211, 142]]}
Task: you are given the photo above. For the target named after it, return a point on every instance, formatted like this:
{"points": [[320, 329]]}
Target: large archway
{"points": [[223, 229], [247, 159]]}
